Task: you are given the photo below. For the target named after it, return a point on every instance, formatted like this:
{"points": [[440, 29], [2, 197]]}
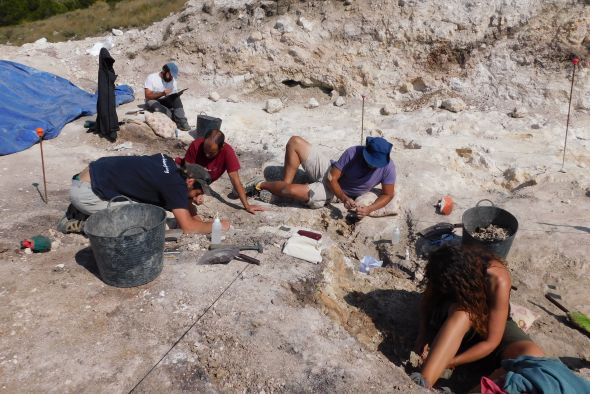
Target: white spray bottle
{"points": [[216, 230]]}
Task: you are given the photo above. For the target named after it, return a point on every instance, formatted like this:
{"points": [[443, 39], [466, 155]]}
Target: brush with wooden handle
{"points": [[578, 319]]}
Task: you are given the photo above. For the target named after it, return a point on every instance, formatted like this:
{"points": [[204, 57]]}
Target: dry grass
{"points": [[95, 20]]}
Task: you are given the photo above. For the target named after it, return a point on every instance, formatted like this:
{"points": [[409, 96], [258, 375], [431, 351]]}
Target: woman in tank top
{"points": [[465, 313]]}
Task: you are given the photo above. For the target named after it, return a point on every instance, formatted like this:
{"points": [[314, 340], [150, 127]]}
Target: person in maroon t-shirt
{"points": [[216, 156]]}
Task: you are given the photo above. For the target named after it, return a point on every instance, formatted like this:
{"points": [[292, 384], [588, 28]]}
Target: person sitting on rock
{"points": [[217, 156], [465, 314], [358, 170], [158, 87], [151, 179]]}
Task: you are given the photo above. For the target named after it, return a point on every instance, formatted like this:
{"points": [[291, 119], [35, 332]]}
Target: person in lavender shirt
{"points": [[358, 170]]}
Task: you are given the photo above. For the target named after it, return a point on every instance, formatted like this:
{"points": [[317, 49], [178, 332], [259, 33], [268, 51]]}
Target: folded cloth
{"points": [[528, 374], [303, 248], [488, 386]]}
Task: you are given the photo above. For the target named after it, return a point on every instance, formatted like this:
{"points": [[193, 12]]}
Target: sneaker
{"points": [[251, 187], [73, 213], [265, 196], [183, 125], [68, 226]]}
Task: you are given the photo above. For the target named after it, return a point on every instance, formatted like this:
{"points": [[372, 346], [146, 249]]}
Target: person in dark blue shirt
{"points": [[151, 179]]}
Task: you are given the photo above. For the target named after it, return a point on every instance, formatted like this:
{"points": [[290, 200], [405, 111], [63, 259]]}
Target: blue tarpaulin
{"points": [[30, 98]]}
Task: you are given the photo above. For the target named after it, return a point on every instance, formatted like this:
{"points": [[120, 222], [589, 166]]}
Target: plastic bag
{"points": [[369, 262]]}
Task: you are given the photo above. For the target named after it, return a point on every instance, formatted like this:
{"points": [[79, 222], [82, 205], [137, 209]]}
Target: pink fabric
{"points": [[488, 386]]}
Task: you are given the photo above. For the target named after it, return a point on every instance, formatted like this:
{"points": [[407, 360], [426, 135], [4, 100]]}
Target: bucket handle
{"points": [[479, 202], [119, 196], [485, 199], [131, 228]]}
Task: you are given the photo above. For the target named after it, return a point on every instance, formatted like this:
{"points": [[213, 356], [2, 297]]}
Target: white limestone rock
{"points": [[405, 87], [453, 104], [518, 113], [312, 103], [305, 24], [255, 37], [340, 101], [162, 125], [299, 55], [457, 85], [352, 31], [284, 25], [273, 105], [233, 99], [388, 109]]}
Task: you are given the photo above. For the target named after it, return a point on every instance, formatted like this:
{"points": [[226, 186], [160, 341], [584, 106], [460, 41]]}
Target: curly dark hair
{"points": [[458, 275]]}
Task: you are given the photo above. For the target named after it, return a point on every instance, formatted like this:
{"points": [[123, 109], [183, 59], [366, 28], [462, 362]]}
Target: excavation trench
{"points": [[380, 309]]}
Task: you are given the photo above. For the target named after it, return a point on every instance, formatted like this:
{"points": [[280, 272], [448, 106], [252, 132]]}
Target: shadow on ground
{"points": [[394, 313], [579, 228], [85, 258]]}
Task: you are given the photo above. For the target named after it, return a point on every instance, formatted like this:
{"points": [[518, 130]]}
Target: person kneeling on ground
{"points": [[465, 314], [358, 170], [217, 156], [146, 179], [156, 89]]}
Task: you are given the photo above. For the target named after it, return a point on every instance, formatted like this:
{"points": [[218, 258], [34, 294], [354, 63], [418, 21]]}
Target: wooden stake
{"points": [[575, 61], [40, 133], [363, 121]]}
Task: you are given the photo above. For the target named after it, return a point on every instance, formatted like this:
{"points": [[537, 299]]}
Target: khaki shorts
{"points": [[317, 167]]}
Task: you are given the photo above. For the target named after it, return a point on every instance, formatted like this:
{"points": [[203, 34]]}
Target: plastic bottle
{"points": [[216, 231], [396, 235]]}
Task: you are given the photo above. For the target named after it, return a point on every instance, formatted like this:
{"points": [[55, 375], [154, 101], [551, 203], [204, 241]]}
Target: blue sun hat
{"points": [[376, 151], [173, 68]]}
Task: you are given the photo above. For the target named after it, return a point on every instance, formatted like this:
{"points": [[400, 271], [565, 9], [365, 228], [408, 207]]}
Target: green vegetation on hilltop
{"points": [[13, 12], [60, 20]]}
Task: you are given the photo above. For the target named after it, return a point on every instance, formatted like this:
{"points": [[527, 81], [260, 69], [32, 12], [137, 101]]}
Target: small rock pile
{"points": [[491, 233]]}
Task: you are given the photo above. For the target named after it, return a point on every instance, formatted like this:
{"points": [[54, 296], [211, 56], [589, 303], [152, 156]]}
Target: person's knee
{"points": [[534, 350], [296, 142], [286, 191], [523, 348], [459, 318]]}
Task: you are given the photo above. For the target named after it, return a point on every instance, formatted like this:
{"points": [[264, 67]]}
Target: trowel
{"points": [[225, 255], [257, 247], [439, 229]]}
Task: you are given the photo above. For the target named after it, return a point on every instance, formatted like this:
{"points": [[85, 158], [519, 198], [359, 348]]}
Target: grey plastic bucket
{"points": [[128, 243], [483, 216]]}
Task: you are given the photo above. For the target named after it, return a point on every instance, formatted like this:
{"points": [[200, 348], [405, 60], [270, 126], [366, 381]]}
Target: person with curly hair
{"points": [[465, 313]]}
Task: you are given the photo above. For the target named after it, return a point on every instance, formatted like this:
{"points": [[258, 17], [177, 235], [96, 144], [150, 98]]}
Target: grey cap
{"points": [[200, 174]]}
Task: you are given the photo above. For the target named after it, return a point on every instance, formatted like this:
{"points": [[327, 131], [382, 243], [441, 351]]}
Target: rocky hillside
{"points": [[494, 54]]}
